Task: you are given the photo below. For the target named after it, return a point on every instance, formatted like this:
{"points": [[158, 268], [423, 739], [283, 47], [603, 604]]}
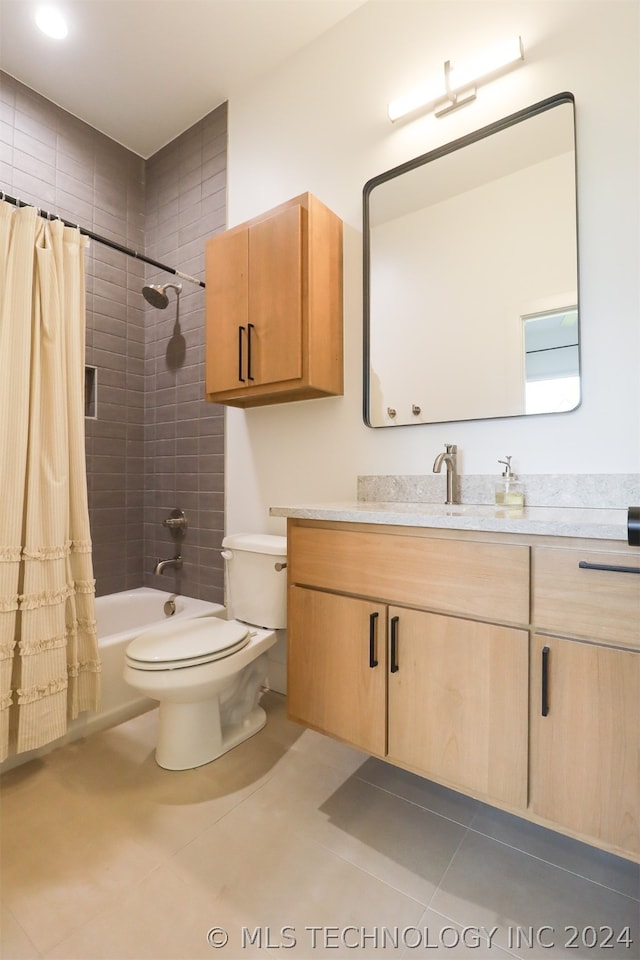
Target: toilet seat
{"points": [[186, 643]]}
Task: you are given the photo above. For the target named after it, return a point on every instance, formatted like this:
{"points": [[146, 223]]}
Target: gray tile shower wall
{"points": [[184, 435], [59, 163]]}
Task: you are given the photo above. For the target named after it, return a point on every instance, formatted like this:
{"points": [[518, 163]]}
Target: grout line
{"points": [[470, 828], [448, 867], [436, 813], [558, 866], [497, 946]]}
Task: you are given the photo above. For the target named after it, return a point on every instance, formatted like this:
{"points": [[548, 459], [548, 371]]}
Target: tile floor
{"points": [[290, 845]]}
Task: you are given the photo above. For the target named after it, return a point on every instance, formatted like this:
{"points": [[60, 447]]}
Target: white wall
{"points": [[467, 262], [319, 123]]}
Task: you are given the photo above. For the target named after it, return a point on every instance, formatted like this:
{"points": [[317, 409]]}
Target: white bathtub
{"points": [[120, 618]]}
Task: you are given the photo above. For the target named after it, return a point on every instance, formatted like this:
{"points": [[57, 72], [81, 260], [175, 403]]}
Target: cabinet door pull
{"points": [[394, 644], [606, 566], [373, 620], [250, 327], [240, 332], [545, 682]]}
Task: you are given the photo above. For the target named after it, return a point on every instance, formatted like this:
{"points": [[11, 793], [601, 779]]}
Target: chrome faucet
{"points": [[161, 565], [450, 459]]}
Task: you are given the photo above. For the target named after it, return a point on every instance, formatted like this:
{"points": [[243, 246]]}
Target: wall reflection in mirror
{"points": [[471, 276]]}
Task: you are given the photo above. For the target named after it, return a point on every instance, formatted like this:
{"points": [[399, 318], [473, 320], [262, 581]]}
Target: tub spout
{"points": [[161, 565]]}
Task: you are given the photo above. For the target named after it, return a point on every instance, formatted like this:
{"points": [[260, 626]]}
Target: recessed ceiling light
{"points": [[51, 22]]}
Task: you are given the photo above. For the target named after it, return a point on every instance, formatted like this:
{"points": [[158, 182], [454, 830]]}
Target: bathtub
{"points": [[121, 617]]}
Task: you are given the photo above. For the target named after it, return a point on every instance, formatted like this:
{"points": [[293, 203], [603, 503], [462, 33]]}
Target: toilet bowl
{"points": [[208, 674]]}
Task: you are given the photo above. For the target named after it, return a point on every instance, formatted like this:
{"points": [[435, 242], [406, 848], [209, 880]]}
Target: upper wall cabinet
{"points": [[274, 307]]}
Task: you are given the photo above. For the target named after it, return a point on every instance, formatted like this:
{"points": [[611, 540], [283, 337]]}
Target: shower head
{"points": [[156, 296]]}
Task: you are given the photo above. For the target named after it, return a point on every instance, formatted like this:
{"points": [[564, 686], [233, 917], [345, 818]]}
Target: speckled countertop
{"points": [[588, 522]]}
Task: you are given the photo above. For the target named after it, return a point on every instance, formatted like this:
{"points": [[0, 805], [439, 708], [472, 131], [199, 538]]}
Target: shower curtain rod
{"points": [[107, 243]]}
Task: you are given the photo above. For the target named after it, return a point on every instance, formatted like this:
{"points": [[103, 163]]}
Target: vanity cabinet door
{"points": [[336, 662], [585, 740], [458, 703]]}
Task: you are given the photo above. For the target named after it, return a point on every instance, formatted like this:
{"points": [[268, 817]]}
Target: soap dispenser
{"points": [[509, 490]]}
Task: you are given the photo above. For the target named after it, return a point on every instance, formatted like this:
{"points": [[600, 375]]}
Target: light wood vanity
{"points": [[495, 663]]}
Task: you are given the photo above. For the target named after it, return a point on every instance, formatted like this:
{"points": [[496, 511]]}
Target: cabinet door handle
{"points": [[373, 620], [394, 644], [545, 682], [240, 332], [250, 327], [606, 566]]}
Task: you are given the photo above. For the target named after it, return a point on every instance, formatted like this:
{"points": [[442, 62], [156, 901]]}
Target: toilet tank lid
{"points": [[257, 543]]}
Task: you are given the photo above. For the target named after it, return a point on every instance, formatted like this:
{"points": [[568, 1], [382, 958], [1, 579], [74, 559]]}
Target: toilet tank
{"points": [[256, 589]]}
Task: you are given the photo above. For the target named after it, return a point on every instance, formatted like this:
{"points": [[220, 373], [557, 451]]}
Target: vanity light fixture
{"points": [[457, 86]]}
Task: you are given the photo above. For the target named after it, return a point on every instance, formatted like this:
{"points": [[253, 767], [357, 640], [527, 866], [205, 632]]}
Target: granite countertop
{"points": [[588, 522]]}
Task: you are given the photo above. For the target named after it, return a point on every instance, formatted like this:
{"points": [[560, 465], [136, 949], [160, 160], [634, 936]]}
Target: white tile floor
{"points": [[290, 845]]}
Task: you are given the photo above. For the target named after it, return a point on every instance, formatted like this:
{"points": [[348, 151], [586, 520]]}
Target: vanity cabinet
{"points": [[274, 307], [457, 707], [443, 695], [585, 693], [585, 739], [336, 655], [348, 658], [586, 593], [503, 666]]}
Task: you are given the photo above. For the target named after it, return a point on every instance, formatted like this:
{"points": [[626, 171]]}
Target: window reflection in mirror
{"points": [[552, 369], [461, 246]]}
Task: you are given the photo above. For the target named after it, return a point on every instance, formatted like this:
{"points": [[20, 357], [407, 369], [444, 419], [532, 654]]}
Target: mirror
{"points": [[471, 276]]}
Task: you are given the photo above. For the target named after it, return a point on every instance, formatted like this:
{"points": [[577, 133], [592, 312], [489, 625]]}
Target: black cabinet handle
{"points": [[545, 682], [606, 566], [240, 331], [250, 327], [394, 644], [373, 619]]}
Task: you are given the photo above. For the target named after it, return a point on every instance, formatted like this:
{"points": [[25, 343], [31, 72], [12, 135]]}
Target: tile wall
{"points": [[148, 403], [184, 437]]}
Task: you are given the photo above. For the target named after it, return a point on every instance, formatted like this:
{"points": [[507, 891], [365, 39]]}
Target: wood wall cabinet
{"points": [[490, 663], [274, 307]]}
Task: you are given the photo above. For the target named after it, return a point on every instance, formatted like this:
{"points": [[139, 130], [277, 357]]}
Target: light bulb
{"points": [[51, 22]]}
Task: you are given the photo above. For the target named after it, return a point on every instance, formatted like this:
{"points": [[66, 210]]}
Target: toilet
{"points": [[209, 673]]}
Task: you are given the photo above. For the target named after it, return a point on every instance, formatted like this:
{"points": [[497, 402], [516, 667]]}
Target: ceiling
{"points": [[143, 71]]}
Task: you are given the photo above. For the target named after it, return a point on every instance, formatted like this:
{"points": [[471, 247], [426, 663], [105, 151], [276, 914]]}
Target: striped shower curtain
{"points": [[49, 664]]}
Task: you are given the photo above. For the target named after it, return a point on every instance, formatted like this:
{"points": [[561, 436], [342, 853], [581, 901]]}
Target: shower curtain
{"points": [[49, 663]]}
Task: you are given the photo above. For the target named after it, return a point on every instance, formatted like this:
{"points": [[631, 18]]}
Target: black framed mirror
{"points": [[471, 276]]}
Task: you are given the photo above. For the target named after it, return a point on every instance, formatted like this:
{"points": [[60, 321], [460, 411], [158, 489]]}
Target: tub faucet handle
{"points": [[176, 522]]}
